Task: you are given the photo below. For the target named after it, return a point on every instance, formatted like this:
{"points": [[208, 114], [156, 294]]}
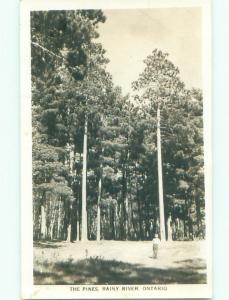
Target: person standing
{"points": [[156, 242]]}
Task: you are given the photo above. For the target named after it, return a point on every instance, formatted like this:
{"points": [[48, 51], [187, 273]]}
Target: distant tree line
{"points": [[95, 164]]}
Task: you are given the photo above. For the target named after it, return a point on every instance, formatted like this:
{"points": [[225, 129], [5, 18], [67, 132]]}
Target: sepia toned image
{"points": [[119, 201]]}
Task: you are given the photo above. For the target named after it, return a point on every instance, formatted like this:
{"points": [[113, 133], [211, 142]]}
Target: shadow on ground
{"points": [[46, 244], [99, 271], [198, 264]]}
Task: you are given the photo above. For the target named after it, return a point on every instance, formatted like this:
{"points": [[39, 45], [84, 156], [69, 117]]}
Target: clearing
{"points": [[119, 262]]}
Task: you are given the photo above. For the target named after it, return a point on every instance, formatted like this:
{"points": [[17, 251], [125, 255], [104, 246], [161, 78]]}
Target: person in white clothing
{"points": [[156, 242]]}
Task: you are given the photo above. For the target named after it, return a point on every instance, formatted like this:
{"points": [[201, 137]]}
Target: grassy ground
{"points": [[119, 262]]}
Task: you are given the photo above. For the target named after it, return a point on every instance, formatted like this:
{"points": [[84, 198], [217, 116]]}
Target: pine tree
{"points": [[162, 92], [61, 42]]}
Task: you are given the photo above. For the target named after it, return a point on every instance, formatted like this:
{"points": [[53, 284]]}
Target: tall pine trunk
{"points": [[133, 229], [116, 221], [69, 231], [69, 226], [78, 231], [51, 227], [169, 228], [198, 217], [77, 225], [84, 185], [98, 210], [59, 220], [126, 217], [124, 205], [160, 179], [43, 223]]}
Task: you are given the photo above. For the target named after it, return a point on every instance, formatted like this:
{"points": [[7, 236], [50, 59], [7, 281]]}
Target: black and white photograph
{"points": [[116, 179]]}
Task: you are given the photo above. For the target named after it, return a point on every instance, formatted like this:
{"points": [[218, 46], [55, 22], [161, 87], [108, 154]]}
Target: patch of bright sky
{"points": [[130, 35]]}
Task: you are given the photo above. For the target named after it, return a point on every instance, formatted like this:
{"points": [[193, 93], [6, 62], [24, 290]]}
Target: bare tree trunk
{"points": [[184, 232], [198, 217], [169, 228], [58, 220], [140, 218], [51, 226], [98, 211], [132, 226], [69, 231], [126, 218], [77, 226], [84, 186], [43, 223], [78, 231], [98, 204], [69, 227], [116, 221], [120, 221], [112, 217], [51, 230], [160, 179]]}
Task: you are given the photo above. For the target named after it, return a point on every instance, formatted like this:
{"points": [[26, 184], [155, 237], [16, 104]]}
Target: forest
{"points": [[108, 165]]}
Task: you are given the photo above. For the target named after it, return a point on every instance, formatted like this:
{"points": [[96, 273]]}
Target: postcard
{"points": [[116, 149]]}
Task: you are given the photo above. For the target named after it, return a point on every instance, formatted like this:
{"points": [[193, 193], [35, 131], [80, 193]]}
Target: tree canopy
{"points": [[95, 158]]}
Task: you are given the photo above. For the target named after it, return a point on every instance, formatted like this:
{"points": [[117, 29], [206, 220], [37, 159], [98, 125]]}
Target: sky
{"points": [[130, 35]]}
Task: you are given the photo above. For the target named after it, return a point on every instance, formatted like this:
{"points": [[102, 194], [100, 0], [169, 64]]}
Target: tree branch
{"points": [[48, 51], [55, 55]]}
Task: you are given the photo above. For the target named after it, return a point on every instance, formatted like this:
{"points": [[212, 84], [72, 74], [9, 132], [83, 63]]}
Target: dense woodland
{"points": [[95, 150]]}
